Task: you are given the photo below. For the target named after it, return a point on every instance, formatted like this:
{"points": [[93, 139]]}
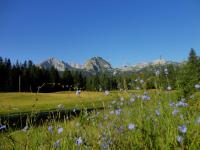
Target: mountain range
{"points": [[98, 64]]}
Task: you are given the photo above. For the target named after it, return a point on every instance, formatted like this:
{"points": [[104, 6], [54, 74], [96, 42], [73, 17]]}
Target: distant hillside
{"points": [[98, 64]]}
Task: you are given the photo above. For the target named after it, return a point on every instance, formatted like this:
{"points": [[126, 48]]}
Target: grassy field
{"points": [[131, 120], [27, 102]]}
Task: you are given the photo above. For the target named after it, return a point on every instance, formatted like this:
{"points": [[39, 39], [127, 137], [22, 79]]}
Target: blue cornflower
{"points": [[197, 86], [171, 104], [104, 146], [182, 128], [78, 92], [57, 144], [50, 129], [175, 112], [157, 112], [145, 97], [179, 139], [118, 111], [79, 141], [181, 104], [60, 130], [112, 112], [2, 127], [131, 126]]}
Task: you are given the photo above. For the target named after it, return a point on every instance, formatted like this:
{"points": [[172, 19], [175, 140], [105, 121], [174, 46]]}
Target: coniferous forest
{"points": [[28, 77]]}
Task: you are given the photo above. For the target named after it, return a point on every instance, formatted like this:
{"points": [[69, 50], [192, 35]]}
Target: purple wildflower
{"points": [[182, 128], [157, 112], [181, 104], [118, 111], [104, 146], [179, 139], [2, 127], [50, 129], [78, 92], [79, 141], [131, 126], [171, 104], [57, 144], [175, 112], [112, 112], [197, 86], [145, 97], [60, 130]]}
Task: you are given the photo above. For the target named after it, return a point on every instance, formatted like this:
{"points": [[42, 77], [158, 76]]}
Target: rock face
{"points": [[97, 64], [54, 62], [75, 65]]}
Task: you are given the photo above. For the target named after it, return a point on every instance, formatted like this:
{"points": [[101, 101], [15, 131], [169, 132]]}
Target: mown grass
{"points": [[27, 102], [155, 126]]}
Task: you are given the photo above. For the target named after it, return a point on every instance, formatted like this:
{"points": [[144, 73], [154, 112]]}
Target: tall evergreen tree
{"points": [[188, 75]]}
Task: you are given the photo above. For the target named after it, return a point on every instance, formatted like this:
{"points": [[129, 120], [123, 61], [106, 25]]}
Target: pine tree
{"points": [[189, 75]]}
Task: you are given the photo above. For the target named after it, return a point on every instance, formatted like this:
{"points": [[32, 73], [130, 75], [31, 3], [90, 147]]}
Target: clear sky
{"points": [[121, 31]]}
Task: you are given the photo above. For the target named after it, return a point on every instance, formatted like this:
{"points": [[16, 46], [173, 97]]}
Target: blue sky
{"points": [[121, 31]]}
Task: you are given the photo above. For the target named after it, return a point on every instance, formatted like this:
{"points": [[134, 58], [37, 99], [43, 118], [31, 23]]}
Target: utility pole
{"points": [[19, 83]]}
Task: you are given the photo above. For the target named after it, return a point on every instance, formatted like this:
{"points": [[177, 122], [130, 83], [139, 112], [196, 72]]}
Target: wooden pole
{"points": [[19, 83]]}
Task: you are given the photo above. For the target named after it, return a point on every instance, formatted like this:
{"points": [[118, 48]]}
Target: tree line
{"points": [[28, 77]]}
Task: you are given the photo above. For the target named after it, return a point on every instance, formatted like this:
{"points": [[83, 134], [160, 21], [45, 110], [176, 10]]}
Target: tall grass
{"points": [[133, 120], [155, 127]]}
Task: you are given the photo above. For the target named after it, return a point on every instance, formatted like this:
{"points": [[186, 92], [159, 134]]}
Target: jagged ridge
{"points": [[98, 64]]}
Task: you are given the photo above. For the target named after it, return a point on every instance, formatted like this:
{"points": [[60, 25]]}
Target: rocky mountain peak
{"points": [[97, 64], [56, 63]]}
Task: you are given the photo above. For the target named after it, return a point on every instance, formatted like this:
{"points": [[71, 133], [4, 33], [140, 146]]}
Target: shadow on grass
{"points": [[20, 120]]}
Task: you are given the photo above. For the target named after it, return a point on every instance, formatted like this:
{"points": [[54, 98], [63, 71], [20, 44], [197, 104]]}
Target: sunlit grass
{"points": [[109, 128], [26, 102]]}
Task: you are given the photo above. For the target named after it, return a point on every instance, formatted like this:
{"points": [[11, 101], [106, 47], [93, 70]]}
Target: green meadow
{"points": [[129, 120], [26, 102]]}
